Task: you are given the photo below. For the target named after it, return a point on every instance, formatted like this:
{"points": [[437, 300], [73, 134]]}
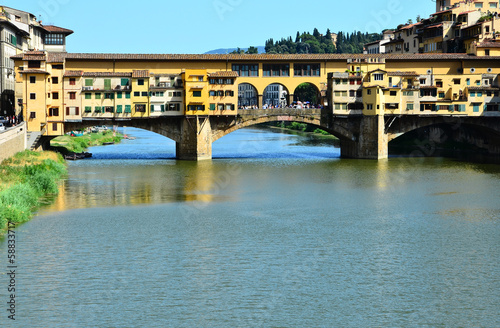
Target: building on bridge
{"points": [[20, 31], [193, 99]]}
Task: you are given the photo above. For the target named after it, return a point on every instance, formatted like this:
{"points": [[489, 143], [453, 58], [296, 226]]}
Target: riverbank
{"points": [[25, 179], [68, 144]]}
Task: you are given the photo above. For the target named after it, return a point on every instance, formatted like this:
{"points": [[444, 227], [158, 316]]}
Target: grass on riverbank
{"points": [[24, 179], [80, 144], [302, 127]]}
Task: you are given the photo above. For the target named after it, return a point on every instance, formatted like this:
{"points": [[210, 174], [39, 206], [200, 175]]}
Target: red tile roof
{"points": [[405, 73], [73, 73], [107, 74], [33, 71], [140, 73], [57, 29], [224, 74], [490, 45], [410, 26]]}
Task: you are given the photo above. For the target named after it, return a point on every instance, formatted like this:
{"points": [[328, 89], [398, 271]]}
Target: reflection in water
{"points": [[269, 234]]}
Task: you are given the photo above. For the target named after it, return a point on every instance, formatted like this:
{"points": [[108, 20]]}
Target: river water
{"points": [[276, 231]]}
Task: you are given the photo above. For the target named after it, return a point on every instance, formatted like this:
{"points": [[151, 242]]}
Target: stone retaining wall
{"points": [[12, 141]]}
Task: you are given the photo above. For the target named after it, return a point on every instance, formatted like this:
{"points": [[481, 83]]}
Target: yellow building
{"points": [[60, 87]]}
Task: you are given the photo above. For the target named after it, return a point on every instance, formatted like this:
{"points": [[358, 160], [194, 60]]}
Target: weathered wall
{"points": [[12, 141]]}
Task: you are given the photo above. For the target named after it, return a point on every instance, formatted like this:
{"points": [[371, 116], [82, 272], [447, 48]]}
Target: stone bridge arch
{"points": [[482, 132], [255, 117]]}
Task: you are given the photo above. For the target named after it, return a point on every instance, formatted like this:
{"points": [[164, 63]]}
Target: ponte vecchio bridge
{"points": [[365, 100]]}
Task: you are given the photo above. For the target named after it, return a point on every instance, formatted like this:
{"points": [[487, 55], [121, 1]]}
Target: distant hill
{"points": [[221, 51]]}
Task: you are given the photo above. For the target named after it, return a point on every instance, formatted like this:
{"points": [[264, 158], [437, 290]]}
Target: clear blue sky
{"points": [[197, 26]]}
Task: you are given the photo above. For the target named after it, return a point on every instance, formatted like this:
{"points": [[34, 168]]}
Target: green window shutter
{"points": [[152, 108], [479, 94], [112, 96], [88, 109], [437, 108], [462, 108], [88, 96], [127, 95], [107, 84], [124, 82], [97, 96], [97, 109], [89, 82], [212, 106], [162, 108], [128, 109], [119, 108], [119, 95]]}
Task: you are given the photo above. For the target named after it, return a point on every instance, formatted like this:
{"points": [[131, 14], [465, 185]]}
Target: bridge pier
{"points": [[196, 139], [371, 143]]}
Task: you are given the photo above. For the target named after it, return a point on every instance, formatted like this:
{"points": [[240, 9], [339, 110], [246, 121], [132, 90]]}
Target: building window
{"points": [[58, 66], [127, 95], [368, 91], [109, 109], [109, 96], [487, 52], [54, 111], [439, 84], [97, 96], [125, 82], [119, 109], [88, 96], [140, 82], [128, 109], [32, 115], [55, 95], [441, 95], [88, 109], [212, 106], [119, 95], [55, 80], [276, 70], [89, 82], [493, 5], [137, 94], [34, 64], [54, 126], [32, 79], [72, 81], [378, 77], [246, 69], [32, 96], [140, 108], [307, 69], [72, 110], [196, 93], [54, 39], [479, 5], [393, 93], [456, 81], [98, 109], [409, 106], [144, 94]]}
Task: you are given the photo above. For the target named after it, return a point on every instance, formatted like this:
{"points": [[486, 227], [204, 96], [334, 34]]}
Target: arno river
{"points": [[276, 231]]}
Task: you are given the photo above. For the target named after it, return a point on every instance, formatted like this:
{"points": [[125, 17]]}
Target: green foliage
{"points": [[316, 43], [319, 131], [306, 92], [17, 202], [26, 185]]}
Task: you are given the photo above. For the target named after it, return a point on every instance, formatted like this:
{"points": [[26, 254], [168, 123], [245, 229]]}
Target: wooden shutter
{"points": [[67, 110]]}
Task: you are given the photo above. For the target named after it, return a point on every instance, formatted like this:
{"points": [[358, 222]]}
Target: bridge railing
{"points": [[280, 112]]}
